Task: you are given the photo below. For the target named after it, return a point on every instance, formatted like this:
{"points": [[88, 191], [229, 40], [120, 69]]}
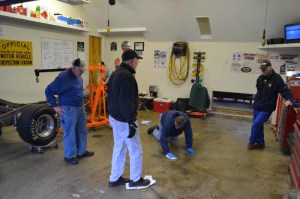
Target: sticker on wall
{"points": [[160, 59], [236, 57], [113, 46], [80, 50], [15, 53]]}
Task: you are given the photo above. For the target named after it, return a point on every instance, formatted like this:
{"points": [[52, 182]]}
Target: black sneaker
{"points": [[86, 154], [120, 181], [71, 160], [151, 129], [140, 183], [256, 146]]}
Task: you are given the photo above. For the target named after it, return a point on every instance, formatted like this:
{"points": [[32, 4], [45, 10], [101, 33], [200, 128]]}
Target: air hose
{"points": [[178, 72]]}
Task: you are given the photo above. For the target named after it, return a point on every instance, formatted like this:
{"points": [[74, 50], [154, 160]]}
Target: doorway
{"points": [[95, 45]]}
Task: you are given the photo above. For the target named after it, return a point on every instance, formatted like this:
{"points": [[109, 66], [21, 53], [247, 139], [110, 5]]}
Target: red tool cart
{"points": [[294, 168], [287, 118]]}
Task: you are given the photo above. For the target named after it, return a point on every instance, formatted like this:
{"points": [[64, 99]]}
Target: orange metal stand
{"points": [[97, 101]]}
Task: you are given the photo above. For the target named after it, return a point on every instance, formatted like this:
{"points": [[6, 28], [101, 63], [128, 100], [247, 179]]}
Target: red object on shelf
{"points": [[161, 106], [294, 84]]}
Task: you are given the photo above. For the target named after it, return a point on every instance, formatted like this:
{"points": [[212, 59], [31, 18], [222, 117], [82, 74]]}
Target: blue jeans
{"points": [[73, 123], [121, 144], [257, 130]]}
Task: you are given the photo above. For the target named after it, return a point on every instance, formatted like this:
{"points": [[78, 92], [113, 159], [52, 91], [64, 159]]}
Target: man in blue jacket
{"points": [[268, 85], [172, 123], [122, 103], [68, 86]]}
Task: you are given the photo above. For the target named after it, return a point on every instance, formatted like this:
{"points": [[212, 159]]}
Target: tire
{"points": [[38, 124]]}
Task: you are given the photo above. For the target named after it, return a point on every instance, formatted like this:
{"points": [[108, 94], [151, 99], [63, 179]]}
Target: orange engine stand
{"points": [[97, 101]]}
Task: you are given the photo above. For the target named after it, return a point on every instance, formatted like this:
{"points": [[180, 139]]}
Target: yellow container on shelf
{"points": [[38, 12]]}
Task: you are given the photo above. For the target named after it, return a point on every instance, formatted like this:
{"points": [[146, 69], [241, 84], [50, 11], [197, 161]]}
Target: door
{"points": [[94, 56]]}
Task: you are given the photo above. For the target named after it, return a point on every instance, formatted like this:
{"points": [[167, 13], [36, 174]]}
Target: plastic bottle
{"points": [[38, 12]]}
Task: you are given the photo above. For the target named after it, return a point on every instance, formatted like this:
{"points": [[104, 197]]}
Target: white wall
{"points": [[17, 84], [217, 75]]}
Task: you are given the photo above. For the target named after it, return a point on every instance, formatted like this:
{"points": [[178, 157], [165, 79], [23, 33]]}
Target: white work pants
{"points": [[121, 143]]}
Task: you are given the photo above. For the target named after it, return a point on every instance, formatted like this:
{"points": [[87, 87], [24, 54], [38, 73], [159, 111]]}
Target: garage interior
{"points": [[224, 44]]}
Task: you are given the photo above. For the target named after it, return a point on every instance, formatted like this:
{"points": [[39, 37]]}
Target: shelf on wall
{"points": [[280, 46], [39, 21], [123, 30]]}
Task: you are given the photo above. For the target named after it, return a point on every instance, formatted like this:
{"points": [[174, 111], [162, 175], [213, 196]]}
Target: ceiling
{"points": [[174, 20]]}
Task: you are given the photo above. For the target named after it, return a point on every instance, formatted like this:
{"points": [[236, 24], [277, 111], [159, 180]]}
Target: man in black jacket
{"points": [[268, 85], [122, 107]]}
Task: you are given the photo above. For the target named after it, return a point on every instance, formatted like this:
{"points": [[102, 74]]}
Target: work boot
{"points": [[140, 183], [72, 161], [86, 154], [120, 181], [151, 129], [256, 146]]}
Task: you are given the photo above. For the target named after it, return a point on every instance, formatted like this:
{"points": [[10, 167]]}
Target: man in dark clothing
{"points": [[122, 107], [268, 85], [172, 123]]}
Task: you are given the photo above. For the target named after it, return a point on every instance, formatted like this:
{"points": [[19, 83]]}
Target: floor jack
{"points": [[41, 149]]}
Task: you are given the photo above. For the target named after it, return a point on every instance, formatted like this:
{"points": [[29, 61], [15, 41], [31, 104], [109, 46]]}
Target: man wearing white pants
{"points": [[122, 107]]}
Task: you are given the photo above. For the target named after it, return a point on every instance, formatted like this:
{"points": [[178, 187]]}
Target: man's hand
{"points": [[287, 103], [132, 129], [191, 151], [59, 110]]}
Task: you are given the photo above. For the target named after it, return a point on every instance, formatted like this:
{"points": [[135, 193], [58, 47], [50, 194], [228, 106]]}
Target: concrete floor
{"points": [[221, 168]]}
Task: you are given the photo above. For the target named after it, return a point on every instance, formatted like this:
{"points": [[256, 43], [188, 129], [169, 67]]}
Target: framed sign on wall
{"points": [[139, 46]]}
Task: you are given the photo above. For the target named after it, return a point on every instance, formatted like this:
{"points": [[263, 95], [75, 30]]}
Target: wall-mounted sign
{"points": [[113, 46], [15, 53]]}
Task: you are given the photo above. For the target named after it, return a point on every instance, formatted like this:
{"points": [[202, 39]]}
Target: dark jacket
{"points": [[268, 88], [168, 129], [122, 96]]}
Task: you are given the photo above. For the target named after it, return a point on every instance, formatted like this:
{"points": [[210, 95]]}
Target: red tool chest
{"points": [[294, 168], [285, 126]]}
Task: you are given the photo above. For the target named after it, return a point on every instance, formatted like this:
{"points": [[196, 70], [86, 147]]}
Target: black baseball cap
{"points": [[130, 54], [265, 63]]}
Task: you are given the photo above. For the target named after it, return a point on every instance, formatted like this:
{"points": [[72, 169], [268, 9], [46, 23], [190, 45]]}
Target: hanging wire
{"points": [[179, 73], [265, 24], [266, 13], [108, 27]]}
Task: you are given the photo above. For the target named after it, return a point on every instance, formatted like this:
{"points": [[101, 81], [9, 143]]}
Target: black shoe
{"points": [[256, 146], [120, 181], [86, 154], [140, 183], [71, 160], [151, 129]]}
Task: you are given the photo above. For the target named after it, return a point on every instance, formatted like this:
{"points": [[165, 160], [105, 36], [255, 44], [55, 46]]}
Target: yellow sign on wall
{"points": [[15, 53]]}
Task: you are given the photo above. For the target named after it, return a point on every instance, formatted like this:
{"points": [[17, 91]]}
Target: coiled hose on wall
{"points": [[178, 73]]}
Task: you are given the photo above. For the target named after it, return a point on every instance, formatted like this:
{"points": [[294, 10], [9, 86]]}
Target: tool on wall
{"points": [[179, 63], [198, 72]]}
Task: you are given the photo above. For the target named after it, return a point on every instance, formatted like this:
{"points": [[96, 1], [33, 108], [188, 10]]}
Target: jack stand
{"points": [[41, 149]]}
